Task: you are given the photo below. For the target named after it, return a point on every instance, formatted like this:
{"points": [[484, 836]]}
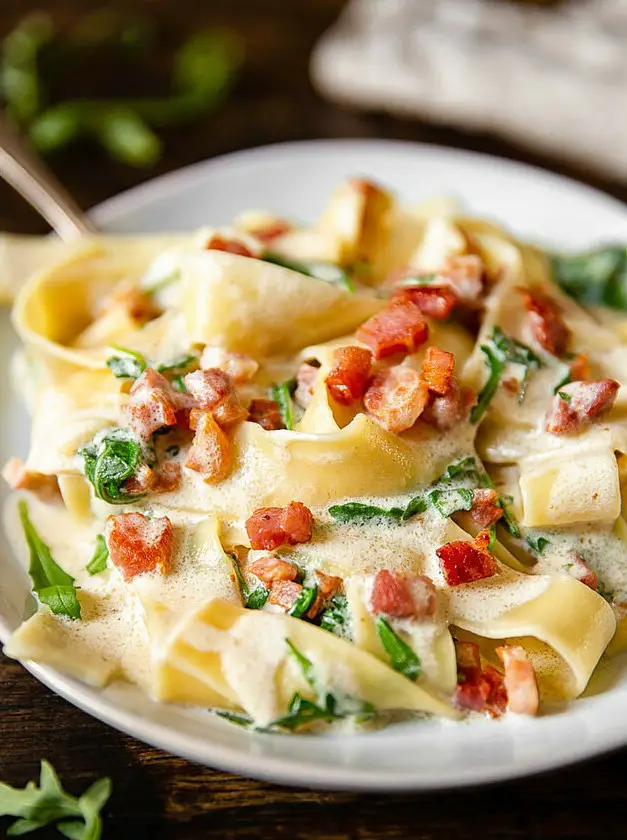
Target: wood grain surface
{"points": [[157, 795]]}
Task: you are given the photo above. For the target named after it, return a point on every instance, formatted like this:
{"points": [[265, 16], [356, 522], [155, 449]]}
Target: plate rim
{"points": [[276, 769]]}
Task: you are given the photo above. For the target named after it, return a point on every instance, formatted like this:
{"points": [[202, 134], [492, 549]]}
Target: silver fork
{"points": [[21, 167]]}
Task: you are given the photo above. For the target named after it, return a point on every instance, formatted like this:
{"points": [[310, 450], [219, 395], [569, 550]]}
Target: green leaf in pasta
{"points": [[328, 272], [179, 385], [110, 460], [178, 365], [98, 562], [238, 719], [40, 805], [448, 502], [131, 365], [51, 584], [357, 512], [335, 618], [282, 395], [594, 277], [402, 658], [304, 601], [417, 505], [253, 599], [537, 544], [501, 350]]}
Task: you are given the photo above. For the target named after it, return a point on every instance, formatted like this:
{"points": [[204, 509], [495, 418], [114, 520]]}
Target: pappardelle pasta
{"points": [[304, 476]]}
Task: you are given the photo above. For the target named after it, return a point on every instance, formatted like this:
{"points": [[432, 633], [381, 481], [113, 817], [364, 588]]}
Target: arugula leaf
{"points": [[402, 658], [281, 394], [110, 460], [254, 599], [537, 544], [565, 396], [51, 584], [129, 366], [39, 806], [355, 511], [306, 665], [236, 718], [326, 271], [98, 562], [179, 364], [417, 505], [304, 601], [501, 350], [335, 617], [594, 277], [448, 502]]}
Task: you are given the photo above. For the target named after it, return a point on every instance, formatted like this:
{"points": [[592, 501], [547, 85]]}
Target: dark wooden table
{"points": [[156, 795]]}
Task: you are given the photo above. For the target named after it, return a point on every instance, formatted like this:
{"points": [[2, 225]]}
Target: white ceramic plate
{"points": [[295, 180]]}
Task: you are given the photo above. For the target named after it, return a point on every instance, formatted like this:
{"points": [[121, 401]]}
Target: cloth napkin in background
{"points": [[551, 77]]}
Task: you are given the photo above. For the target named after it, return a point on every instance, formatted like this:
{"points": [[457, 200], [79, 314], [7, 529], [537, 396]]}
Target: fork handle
{"points": [[25, 171]]}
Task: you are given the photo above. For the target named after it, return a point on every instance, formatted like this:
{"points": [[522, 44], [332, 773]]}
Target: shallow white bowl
{"points": [[295, 180]]}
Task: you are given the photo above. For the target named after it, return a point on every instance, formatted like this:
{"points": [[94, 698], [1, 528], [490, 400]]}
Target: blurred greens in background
{"points": [[36, 58]]}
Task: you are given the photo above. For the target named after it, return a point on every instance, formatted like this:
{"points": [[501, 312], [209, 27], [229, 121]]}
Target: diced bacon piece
{"points": [[306, 378], [137, 544], [328, 585], [210, 452], [392, 595], [271, 527], [437, 370], [465, 274], [485, 512], [348, 378], [465, 562], [140, 306], [284, 594], [142, 482], [468, 657], [271, 231], [266, 413], [396, 398], [581, 571], [270, 569], [213, 391], [209, 387], [444, 413], [584, 403], [19, 478], [545, 321], [399, 328], [480, 690], [520, 680], [151, 404], [437, 302], [231, 246], [297, 523], [580, 368], [238, 366]]}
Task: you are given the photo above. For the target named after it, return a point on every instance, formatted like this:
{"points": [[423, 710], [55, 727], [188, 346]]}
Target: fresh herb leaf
{"points": [[501, 350], [417, 505], [51, 584], [594, 277], [98, 562], [564, 396], [537, 544], [304, 601], [110, 460], [179, 364], [39, 806], [357, 512], [563, 381], [236, 718], [335, 617], [305, 665], [492, 539], [328, 272], [282, 396], [402, 658], [448, 502], [129, 366], [179, 385], [253, 599]]}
